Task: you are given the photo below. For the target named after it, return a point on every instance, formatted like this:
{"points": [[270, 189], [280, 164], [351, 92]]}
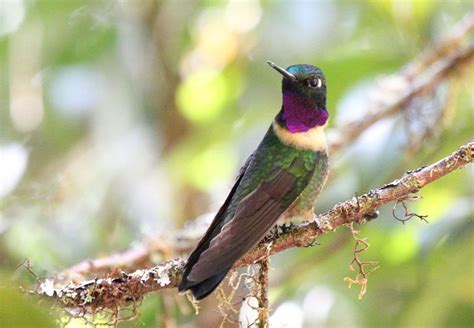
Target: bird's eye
{"points": [[315, 82]]}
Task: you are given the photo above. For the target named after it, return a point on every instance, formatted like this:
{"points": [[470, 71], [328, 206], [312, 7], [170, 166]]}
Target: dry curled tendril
{"points": [[226, 307], [407, 215], [361, 277], [228, 304]]}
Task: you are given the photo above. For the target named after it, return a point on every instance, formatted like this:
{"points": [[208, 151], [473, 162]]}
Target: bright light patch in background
{"points": [[436, 202], [26, 108], [12, 14], [215, 43], [406, 12], [13, 161], [311, 21], [243, 16], [202, 96], [74, 91], [248, 313], [317, 304], [287, 315], [353, 103], [212, 165], [220, 34], [26, 91]]}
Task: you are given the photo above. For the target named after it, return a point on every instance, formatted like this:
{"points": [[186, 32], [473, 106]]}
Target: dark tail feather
{"points": [[206, 287], [203, 288]]}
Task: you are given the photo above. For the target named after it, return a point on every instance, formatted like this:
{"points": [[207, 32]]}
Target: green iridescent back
{"points": [[272, 155]]}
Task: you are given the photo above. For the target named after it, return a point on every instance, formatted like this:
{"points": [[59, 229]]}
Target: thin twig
{"points": [[362, 274], [407, 215], [262, 293]]}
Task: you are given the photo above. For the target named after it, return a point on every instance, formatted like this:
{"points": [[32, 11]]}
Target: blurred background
{"points": [[122, 120]]}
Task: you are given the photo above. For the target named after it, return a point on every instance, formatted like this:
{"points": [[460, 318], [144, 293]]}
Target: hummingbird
{"points": [[280, 180]]}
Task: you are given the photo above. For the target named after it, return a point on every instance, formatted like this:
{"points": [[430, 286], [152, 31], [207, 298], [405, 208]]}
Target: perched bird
{"points": [[281, 179]]}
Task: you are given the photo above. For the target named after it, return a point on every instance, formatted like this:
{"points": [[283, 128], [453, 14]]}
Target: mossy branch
{"points": [[114, 291]]}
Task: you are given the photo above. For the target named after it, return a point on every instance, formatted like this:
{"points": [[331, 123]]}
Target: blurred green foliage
{"points": [[18, 310], [121, 120]]}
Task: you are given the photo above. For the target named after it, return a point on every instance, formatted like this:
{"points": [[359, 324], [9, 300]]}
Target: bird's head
{"points": [[304, 97]]}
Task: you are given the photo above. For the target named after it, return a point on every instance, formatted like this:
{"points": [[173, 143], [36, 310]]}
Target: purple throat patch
{"points": [[300, 113]]}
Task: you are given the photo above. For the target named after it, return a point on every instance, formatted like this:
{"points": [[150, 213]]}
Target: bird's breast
{"points": [[303, 207]]}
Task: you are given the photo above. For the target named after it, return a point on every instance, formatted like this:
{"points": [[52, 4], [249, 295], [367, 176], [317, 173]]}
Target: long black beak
{"points": [[282, 71]]}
